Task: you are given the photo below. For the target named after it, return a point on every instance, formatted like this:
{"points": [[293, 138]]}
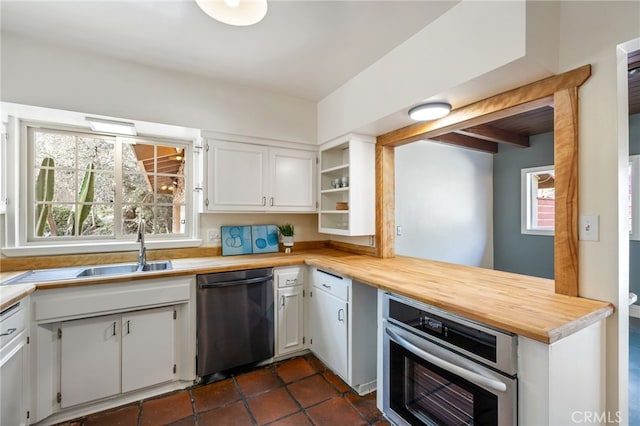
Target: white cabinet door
{"points": [[147, 348], [13, 386], [238, 176], [329, 330], [292, 180], [290, 324], [90, 359]]}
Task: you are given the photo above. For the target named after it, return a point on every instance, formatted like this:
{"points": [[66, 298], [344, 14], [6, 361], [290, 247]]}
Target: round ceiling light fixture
{"points": [[429, 111], [235, 12]]}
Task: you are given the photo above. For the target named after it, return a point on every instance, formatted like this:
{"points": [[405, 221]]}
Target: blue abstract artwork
{"points": [[264, 238], [236, 240]]}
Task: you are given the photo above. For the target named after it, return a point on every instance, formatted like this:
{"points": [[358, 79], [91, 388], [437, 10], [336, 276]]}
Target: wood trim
{"points": [[516, 101], [562, 92], [468, 142], [385, 201], [351, 248], [495, 134], [565, 151]]}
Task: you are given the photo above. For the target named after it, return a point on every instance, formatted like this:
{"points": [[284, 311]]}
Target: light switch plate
{"points": [[589, 227]]}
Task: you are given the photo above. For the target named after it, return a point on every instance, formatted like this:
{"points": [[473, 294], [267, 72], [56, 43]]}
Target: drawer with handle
{"points": [[11, 323], [332, 283], [289, 277]]}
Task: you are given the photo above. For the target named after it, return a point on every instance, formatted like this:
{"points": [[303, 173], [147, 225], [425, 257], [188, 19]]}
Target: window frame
{"points": [[18, 242], [526, 196], [634, 232]]}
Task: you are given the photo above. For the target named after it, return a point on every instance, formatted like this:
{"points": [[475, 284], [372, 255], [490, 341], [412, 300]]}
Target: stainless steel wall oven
{"points": [[441, 369]]}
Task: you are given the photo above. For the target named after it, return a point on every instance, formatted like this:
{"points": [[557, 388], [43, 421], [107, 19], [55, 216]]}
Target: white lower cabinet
{"points": [[90, 348], [99, 346], [329, 330], [289, 322], [343, 328], [14, 356], [120, 353]]}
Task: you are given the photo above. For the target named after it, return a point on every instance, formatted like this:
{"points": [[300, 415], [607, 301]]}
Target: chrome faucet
{"points": [[142, 252]]}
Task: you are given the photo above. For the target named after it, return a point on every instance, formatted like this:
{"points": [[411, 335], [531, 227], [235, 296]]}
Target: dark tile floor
{"points": [[299, 391], [634, 371]]}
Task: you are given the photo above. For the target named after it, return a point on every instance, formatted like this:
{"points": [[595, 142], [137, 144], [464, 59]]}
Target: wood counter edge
{"points": [[16, 297]]}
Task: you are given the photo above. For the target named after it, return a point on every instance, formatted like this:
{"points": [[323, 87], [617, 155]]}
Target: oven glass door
{"points": [[427, 384], [422, 393]]}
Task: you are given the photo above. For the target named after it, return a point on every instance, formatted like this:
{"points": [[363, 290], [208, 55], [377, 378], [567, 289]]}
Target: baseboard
{"points": [[634, 311]]}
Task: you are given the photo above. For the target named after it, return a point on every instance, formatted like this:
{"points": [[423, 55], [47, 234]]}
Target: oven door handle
{"points": [[446, 365]]}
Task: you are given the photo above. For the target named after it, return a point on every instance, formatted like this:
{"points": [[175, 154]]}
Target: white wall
{"points": [[444, 203], [48, 76], [590, 32], [472, 39]]}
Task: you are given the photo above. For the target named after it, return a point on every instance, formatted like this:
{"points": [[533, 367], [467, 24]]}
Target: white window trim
{"points": [[525, 197], [16, 225], [634, 160]]}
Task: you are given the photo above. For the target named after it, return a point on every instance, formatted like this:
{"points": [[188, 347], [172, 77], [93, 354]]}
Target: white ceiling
{"points": [[302, 48]]}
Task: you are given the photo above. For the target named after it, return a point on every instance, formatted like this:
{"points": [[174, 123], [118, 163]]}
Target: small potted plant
{"points": [[286, 231]]}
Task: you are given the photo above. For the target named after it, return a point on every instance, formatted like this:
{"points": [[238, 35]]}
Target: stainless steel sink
{"points": [[128, 268]]}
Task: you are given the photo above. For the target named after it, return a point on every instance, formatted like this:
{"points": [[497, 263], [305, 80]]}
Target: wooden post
{"points": [[565, 152], [385, 201]]}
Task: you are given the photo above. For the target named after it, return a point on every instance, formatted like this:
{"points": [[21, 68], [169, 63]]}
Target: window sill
{"points": [[95, 247], [540, 232]]}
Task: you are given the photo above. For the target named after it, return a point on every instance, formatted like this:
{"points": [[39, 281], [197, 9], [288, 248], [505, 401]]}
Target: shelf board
{"points": [[336, 168], [334, 211], [328, 191]]}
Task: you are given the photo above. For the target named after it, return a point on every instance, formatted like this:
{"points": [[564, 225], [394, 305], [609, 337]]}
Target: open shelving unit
{"points": [[347, 186]]}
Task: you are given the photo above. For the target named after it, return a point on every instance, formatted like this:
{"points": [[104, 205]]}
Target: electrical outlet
{"points": [[213, 235], [589, 227]]}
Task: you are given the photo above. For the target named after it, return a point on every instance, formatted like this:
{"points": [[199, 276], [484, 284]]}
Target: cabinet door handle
{"points": [[271, 202], [281, 300], [264, 201], [9, 332], [114, 328], [341, 317], [290, 282], [128, 327], [326, 286]]}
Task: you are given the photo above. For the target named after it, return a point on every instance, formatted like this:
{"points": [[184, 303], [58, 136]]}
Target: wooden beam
{"points": [[565, 152], [516, 101], [467, 142], [385, 201], [495, 134]]}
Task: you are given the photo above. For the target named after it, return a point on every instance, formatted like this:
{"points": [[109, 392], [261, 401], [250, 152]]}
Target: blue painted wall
{"points": [[514, 251], [634, 246]]}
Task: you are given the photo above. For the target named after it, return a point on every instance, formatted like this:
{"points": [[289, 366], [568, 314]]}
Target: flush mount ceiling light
{"points": [[111, 126], [235, 12], [430, 111]]}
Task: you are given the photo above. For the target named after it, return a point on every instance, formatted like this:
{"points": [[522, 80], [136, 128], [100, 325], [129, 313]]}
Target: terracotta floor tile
{"points": [[382, 422], [335, 412], [312, 390], [366, 405], [123, 416], [336, 381], [294, 369], [215, 395], [272, 405], [298, 419], [315, 363], [187, 421], [165, 410], [231, 415], [258, 381]]}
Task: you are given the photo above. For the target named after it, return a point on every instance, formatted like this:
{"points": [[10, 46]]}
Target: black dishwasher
{"points": [[234, 320]]}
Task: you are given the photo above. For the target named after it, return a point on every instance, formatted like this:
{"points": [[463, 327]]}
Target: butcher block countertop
{"points": [[520, 304]]}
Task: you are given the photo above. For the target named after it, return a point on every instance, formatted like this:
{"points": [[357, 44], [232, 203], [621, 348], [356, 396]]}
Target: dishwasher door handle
{"points": [[236, 282]]}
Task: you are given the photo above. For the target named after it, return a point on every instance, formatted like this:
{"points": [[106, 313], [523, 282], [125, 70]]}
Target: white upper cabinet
{"points": [[347, 186], [246, 177]]}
